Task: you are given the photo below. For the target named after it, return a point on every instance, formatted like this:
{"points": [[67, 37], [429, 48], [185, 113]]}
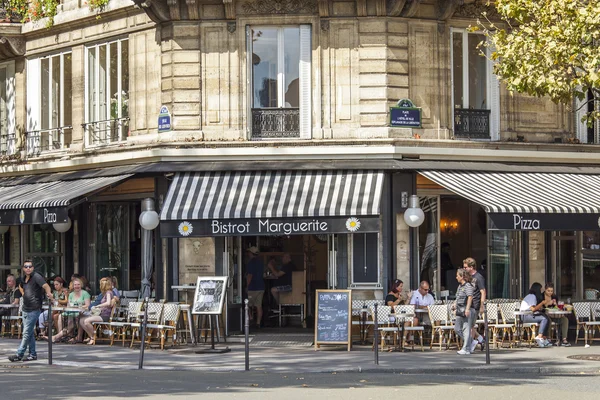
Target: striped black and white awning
{"points": [[273, 194], [25, 203], [545, 193]]}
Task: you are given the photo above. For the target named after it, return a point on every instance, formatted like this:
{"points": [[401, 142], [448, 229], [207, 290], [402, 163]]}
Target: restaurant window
{"points": [[7, 108], [49, 103], [591, 262], [280, 84], [475, 90], [365, 259], [107, 93], [45, 250]]}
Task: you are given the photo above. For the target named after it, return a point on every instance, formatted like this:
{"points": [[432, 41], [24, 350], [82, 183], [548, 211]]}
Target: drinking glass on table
{"points": [[561, 305]]}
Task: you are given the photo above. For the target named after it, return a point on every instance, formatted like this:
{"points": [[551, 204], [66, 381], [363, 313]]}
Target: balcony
{"points": [[471, 124], [48, 140], [102, 133], [8, 144], [6, 15], [275, 123]]}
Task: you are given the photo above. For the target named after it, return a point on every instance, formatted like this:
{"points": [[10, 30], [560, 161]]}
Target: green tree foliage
{"points": [[547, 48]]}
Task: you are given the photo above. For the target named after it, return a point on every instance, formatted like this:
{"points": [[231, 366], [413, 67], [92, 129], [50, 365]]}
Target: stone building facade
{"points": [[259, 85]]}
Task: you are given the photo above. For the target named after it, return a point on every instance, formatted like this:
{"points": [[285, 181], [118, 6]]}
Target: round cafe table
{"points": [[556, 315]]}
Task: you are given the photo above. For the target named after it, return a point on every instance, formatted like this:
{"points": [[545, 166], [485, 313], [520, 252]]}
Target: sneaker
{"points": [[482, 342], [15, 357], [30, 358], [566, 344], [473, 345], [540, 342], [463, 352], [548, 344]]}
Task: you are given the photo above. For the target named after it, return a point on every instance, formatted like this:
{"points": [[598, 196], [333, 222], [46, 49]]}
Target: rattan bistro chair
{"points": [[441, 325], [405, 314], [168, 323], [583, 316], [15, 322], [496, 326], [155, 311], [385, 327], [507, 310], [122, 328], [102, 327]]}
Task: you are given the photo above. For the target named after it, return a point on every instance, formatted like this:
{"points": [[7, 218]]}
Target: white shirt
{"points": [[529, 301], [426, 300]]}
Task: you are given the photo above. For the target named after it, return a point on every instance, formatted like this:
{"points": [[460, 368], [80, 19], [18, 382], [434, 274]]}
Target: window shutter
{"points": [[10, 104], [494, 90], [305, 82], [33, 94], [580, 127]]}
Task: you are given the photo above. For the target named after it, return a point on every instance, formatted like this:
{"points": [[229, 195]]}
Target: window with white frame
{"points": [[107, 93], [49, 103], [7, 108], [587, 132], [475, 89], [365, 259], [279, 60]]}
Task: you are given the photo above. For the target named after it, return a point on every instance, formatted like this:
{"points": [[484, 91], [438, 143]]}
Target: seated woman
{"points": [[78, 298], [394, 296], [61, 299], [534, 302], [549, 296], [85, 322]]}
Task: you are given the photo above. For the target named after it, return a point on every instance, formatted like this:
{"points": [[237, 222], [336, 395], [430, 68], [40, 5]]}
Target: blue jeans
{"points": [[30, 319], [541, 319]]}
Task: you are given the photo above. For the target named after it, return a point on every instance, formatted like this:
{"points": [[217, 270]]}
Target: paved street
{"points": [[38, 382]]}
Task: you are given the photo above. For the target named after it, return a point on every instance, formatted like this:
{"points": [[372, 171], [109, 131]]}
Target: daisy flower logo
{"points": [[185, 228], [353, 224]]}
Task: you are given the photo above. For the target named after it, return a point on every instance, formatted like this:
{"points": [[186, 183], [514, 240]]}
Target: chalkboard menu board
{"points": [[209, 295], [333, 317]]}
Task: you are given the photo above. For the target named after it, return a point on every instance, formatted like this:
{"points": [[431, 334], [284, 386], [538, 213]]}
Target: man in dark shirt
{"points": [[11, 296], [479, 296], [255, 281], [32, 288], [284, 276]]}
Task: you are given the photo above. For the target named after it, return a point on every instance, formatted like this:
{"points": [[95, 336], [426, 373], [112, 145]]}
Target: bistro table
{"points": [[186, 308], [556, 315], [519, 323]]}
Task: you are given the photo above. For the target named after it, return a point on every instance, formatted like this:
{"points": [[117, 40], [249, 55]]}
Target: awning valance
{"points": [[48, 202], [240, 198], [528, 201]]}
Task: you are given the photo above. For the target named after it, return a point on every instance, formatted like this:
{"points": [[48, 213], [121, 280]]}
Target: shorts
{"points": [[285, 288], [255, 298], [105, 318]]}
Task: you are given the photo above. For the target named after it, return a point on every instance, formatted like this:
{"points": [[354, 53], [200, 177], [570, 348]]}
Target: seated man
{"points": [[284, 276], [421, 298]]}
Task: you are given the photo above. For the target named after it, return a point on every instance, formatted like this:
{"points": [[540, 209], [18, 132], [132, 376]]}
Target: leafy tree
{"points": [[547, 48]]}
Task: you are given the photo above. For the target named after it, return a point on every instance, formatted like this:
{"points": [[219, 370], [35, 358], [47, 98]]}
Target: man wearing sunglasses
{"points": [[32, 287]]}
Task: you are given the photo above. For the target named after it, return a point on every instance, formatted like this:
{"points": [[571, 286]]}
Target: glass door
{"points": [[332, 246], [564, 264], [503, 277]]}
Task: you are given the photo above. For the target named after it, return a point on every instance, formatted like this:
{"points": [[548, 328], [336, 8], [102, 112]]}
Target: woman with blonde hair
{"points": [[78, 298], [105, 306]]}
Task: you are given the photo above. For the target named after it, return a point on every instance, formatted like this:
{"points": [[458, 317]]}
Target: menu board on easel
{"points": [[210, 295], [333, 312]]}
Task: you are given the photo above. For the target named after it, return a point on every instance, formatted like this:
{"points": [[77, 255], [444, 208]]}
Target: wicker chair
{"points": [[507, 311], [441, 325], [385, 327], [155, 311], [104, 326], [405, 314], [15, 321], [168, 323], [121, 328], [496, 326], [583, 316]]}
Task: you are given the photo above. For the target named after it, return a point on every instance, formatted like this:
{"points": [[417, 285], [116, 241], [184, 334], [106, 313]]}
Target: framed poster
{"points": [[209, 295]]}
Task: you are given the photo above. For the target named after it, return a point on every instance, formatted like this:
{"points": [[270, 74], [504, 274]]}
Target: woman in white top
{"points": [[535, 302]]}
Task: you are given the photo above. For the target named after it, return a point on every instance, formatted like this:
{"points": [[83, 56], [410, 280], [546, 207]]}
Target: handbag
{"points": [[95, 311], [460, 310]]}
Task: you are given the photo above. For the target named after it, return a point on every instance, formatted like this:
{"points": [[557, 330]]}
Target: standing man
{"points": [[479, 296], [255, 281], [284, 276], [11, 296], [32, 288]]}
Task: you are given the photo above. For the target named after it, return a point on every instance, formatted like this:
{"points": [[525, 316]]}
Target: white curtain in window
{"points": [[305, 82]]}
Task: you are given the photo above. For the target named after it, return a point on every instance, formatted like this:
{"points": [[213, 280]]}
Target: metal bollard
{"points": [[247, 335], [487, 333], [376, 336], [143, 334], [49, 333]]}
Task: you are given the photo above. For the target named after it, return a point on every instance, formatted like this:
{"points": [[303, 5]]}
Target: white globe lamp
{"points": [[414, 215], [149, 220], [62, 227]]}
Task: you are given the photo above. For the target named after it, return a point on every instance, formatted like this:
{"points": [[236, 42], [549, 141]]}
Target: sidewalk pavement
{"points": [[306, 360]]}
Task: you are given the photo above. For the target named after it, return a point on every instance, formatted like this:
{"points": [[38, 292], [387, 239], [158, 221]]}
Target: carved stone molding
{"points": [[15, 44], [411, 8], [231, 27], [475, 10], [324, 8], [395, 7], [325, 25], [361, 8], [445, 8], [280, 7], [229, 6], [157, 10]]}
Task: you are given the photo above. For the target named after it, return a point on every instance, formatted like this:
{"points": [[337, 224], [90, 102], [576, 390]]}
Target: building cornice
{"points": [[371, 150]]}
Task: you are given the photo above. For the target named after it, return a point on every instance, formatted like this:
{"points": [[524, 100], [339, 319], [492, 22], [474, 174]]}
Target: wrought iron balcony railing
{"points": [[270, 123], [48, 140], [100, 133], [7, 14], [8, 144], [471, 124]]}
